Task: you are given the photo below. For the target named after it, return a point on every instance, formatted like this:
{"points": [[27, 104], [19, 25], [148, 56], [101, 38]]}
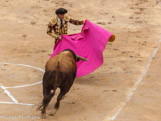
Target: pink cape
{"points": [[89, 44]]}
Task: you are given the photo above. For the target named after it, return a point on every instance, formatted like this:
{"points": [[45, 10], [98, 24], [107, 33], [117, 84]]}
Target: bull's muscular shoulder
{"points": [[66, 18], [50, 65], [66, 62], [53, 21]]}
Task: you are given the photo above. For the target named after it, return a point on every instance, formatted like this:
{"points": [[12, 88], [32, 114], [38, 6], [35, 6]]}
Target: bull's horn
{"points": [[81, 58]]}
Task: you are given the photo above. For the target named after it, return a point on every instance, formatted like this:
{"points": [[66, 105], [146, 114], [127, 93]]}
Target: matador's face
{"points": [[61, 16]]}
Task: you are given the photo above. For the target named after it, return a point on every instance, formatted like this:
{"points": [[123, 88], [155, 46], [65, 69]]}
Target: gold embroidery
{"points": [[53, 21], [66, 18], [54, 26]]}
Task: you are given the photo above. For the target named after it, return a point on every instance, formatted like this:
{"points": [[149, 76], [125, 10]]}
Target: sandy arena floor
{"points": [[127, 87]]}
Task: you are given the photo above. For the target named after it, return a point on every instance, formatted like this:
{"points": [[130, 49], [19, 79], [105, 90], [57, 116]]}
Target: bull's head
{"points": [[78, 58]]}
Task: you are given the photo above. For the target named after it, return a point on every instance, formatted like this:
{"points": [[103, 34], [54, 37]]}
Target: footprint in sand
{"points": [[142, 9], [131, 17], [109, 22], [102, 23], [139, 21], [24, 36], [33, 23], [137, 12]]}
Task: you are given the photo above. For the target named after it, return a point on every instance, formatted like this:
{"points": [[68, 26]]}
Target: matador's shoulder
{"points": [[66, 18], [53, 21]]}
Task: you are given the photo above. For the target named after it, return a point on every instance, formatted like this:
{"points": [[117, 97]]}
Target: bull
{"points": [[60, 72]]}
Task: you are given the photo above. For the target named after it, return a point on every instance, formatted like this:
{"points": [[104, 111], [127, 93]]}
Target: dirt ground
{"points": [[112, 92]]}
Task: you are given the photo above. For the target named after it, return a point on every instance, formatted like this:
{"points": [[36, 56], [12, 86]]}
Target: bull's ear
{"points": [[81, 58]]}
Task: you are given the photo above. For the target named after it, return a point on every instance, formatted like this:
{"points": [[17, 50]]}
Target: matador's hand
{"points": [[59, 37]]}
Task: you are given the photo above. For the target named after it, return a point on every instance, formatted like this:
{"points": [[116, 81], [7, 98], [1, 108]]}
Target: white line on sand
{"points": [[131, 93], [26, 85], [4, 102], [25, 66], [9, 94]]}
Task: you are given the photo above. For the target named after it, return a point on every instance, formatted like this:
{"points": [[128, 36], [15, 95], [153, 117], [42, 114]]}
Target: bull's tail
{"points": [[56, 78], [57, 69]]}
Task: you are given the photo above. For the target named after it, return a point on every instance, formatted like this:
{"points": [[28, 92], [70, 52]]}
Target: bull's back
{"points": [[65, 61]]}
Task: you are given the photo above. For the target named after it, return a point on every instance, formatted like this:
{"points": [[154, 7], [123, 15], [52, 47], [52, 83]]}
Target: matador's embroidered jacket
{"points": [[54, 26]]}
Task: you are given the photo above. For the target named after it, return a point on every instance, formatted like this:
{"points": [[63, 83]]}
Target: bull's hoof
{"points": [[53, 114], [43, 116]]}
